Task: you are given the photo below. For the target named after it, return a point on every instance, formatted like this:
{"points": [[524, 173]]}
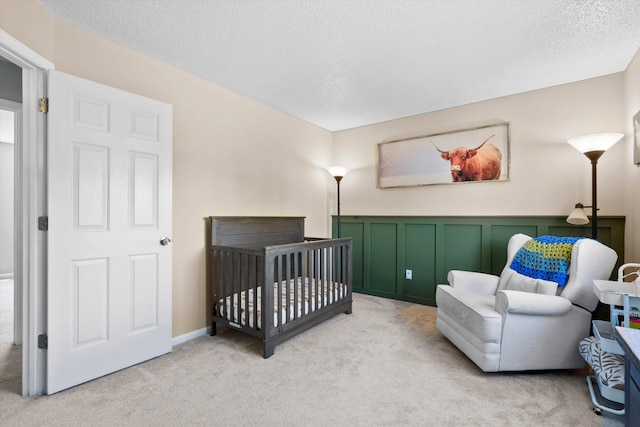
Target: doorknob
{"points": [[165, 241]]}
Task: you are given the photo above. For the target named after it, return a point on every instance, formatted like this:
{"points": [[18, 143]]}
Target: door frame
{"points": [[30, 203]]}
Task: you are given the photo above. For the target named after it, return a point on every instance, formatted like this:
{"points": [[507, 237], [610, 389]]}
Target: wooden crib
{"points": [[308, 280]]}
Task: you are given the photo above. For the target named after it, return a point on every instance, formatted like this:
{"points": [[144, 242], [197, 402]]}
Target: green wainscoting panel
{"points": [[462, 247], [384, 247], [356, 231], [500, 235], [420, 258], [383, 279], [568, 230]]}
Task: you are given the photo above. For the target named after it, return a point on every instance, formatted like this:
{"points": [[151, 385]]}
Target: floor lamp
{"points": [[592, 146], [338, 172]]}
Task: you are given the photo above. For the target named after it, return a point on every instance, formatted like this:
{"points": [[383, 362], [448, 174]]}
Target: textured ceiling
{"points": [[343, 64]]}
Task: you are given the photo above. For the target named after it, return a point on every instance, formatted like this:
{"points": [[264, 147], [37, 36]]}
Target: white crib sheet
{"points": [[298, 308]]}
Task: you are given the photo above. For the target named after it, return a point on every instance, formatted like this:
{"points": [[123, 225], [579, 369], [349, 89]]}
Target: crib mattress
{"points": [[314, 299]]}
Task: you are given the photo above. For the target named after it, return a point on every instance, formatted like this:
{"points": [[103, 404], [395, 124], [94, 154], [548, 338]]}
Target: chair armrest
{"points": [[472, 281], [518, 302]]}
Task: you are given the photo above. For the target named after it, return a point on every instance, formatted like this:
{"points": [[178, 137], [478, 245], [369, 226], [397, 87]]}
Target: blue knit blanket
{"points": [[545, 257]]}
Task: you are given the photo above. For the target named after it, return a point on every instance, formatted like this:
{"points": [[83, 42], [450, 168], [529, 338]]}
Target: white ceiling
{"points": [[344, 64]]}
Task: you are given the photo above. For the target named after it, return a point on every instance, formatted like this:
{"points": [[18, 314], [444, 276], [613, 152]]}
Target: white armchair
{"points": [[515, 323]]}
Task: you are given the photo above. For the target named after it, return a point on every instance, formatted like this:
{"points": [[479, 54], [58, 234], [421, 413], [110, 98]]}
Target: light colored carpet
{"points": [[612, 420], [385, 364]]}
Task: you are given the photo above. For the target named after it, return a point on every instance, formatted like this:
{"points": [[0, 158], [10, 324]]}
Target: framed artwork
{"points": [[636, 139], [477, 154]]}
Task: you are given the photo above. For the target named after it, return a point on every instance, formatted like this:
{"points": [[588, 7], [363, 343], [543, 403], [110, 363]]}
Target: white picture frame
{"points": [[636, 139]]}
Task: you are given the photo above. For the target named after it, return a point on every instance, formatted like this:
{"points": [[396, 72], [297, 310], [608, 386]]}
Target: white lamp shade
{"points": [[577, 217], [596, 142], [338, 171]]}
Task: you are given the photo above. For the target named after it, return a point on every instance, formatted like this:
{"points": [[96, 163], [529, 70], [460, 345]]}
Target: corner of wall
{"points": [[632, 171]]}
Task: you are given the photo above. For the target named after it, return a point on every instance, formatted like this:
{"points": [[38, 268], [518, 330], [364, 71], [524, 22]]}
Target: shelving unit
{"points": [[617, 294]]}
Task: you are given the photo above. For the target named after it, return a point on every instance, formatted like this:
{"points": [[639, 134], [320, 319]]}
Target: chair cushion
{"points": [[474, 312], [513, 281]]}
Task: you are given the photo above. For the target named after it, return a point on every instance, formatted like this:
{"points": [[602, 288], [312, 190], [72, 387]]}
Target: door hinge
{"points": [[43, 223], [43, 341], [43, 105]]}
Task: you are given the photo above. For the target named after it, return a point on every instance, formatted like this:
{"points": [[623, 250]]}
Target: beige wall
{"points": [[548, 176], [29, 22], [632, 172], [231, 155], [235, 156]]}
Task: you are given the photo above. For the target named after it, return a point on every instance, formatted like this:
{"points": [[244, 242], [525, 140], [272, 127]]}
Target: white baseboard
{"points": [[189, 336]]}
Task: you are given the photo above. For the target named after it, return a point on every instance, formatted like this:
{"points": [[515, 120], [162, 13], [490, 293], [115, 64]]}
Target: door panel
{"points": [[144, 288], [109, 205], [144, 190], [90, 187], [90, 302]]}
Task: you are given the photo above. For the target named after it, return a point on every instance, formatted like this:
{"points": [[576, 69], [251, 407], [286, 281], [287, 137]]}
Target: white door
{"points": [[109, 220]]}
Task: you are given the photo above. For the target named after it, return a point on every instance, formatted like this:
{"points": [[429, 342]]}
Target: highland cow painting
{"points": [[478, 154]]}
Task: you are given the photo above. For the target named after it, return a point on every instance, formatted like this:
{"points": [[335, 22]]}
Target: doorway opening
{"points": [[10, 291]]}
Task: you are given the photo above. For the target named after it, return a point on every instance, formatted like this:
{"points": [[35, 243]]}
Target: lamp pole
{"points": [[338, 172], [338, 179], [594, 156]]}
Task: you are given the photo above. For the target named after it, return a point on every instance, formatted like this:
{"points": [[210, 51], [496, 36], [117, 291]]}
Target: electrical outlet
{"points": [[408, 274]]}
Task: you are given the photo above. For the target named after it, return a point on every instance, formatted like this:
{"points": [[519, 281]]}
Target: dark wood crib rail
{"points": [[299, 271]]}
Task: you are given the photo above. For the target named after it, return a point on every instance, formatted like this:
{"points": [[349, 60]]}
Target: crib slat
{"points": [[232, 287], [323, 276], [327, 277], [305, 280], [225, 283], [254, 284], [336, 269], [245, 291], [347, 266], [237, 288], [235, 304], [315, 277], [287, 270], [312, 263], [341, 266], [339, 255], [334, 285], [266, 281], [319, 280], [296, 308], [261, 273], [278, 289]]}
